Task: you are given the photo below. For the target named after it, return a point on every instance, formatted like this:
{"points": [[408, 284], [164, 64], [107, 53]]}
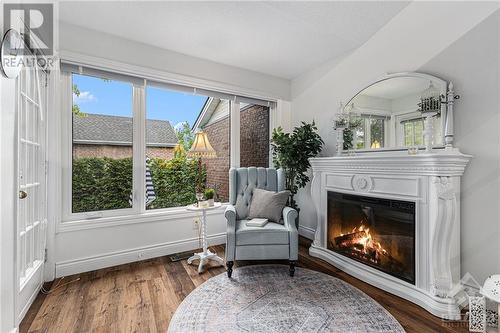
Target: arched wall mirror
{"points": [[394, 112]]}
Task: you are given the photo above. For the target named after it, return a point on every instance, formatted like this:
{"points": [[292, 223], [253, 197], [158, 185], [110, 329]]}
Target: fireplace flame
{"points": [[361, 240]]}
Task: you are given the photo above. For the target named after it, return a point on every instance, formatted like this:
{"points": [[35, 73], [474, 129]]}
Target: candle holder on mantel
{"points": [[429, 106], [340, 123], [433, 103]]}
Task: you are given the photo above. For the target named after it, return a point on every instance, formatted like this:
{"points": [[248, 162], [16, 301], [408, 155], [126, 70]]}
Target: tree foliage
{"points": [[291, 152], [185, 136], [75, 108]]}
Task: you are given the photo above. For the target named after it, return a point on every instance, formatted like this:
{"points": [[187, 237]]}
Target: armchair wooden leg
{"points": [[292, 267], [229, 265]]}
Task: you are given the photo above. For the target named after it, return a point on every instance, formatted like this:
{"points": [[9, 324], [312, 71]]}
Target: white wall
{"points": [[472, 63], [397, 47], [89, 249], [98, 44]]}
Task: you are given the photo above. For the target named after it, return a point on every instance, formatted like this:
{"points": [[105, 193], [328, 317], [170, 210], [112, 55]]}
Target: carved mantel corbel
{"points": [[445, 220]]}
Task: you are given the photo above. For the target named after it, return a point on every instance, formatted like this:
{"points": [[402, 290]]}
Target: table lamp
{"points": [[201, 148]]}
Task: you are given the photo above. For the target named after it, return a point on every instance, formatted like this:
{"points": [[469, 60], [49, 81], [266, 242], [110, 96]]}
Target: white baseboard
{"points": [[88, 264], [306, 232]]}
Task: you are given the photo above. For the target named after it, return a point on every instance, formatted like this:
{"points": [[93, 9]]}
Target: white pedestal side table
{"points": [[206, 255]]}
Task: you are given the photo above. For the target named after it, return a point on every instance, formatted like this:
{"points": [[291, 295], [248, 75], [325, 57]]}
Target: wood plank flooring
{"points": [[143, 296]]}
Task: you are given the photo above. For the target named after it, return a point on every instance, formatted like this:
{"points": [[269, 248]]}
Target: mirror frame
{"points": [[439, 83]]}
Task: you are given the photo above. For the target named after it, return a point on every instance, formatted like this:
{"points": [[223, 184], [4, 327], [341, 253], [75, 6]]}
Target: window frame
{"points": [[138, 212], [67, 153]]}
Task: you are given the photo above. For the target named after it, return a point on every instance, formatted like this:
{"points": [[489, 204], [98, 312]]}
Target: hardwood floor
{"points": [[143, 296]]}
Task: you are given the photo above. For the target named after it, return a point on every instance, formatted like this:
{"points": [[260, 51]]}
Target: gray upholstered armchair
{"points": [[273, 241]]}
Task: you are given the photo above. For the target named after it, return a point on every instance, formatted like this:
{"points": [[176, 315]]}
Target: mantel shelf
{"points": [[443, 163]]}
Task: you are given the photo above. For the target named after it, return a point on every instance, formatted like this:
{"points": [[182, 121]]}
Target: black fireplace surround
{"points": [[377, 232]]}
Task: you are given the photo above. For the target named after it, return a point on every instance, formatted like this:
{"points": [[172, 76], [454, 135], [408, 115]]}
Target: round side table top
{"points": [[196, 208]]}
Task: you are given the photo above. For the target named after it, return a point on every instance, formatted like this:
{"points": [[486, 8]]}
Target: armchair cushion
{"points": [[268, 204], [271, 233]]}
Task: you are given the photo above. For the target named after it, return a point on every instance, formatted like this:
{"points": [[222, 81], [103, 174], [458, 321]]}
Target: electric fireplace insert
{"points": [[377, 232]]}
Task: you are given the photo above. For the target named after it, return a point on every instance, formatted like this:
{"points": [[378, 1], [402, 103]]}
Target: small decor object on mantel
{"points": [[491, 290], [429, 106], [291, 152], [340, 124]]}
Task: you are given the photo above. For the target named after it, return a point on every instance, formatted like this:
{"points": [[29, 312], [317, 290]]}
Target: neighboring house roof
{"points": [[214, 110], [115, 130]]}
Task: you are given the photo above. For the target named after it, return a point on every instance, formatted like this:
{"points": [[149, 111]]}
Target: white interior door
{"points": [[31, 203]]}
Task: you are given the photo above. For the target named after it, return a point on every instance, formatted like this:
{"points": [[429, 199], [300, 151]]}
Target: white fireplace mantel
{"points": [[432, 181]]}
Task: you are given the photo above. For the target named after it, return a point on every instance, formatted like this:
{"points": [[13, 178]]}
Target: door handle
{"points": [[23, 194]]}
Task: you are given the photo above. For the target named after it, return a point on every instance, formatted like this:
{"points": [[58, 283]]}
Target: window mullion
{"points": [[139, 148], [234, 109], [66, 147]]}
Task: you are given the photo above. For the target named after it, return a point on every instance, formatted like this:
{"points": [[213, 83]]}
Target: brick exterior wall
{"points": [[254, 137], [254, 146], [218, 168], [117, 152]]}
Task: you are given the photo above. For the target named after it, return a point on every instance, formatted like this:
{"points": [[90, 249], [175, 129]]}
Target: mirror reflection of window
{"points": [[376, 133], [413, 132], [365, 132]]}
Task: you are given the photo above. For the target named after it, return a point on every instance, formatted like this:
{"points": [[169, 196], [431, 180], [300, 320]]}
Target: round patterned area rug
{"points": [[266, 299]]}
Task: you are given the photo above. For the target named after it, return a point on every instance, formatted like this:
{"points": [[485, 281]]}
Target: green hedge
{"points": [[174, 181], [101, 183]]}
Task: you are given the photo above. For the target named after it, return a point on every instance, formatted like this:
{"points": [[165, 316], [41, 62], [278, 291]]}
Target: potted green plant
{"points": [[291, 152], [209, 196]]}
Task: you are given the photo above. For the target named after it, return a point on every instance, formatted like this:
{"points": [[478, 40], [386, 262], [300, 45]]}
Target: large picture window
{"points": [[170, 116], [129, 142], [102, 132]]}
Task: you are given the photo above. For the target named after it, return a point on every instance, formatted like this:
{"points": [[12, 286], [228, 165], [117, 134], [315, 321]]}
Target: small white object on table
{"points": [[491, 290], [206, 255]]}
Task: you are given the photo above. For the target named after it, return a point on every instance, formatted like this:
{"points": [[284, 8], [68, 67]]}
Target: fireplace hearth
{"points": [[377, 232]]}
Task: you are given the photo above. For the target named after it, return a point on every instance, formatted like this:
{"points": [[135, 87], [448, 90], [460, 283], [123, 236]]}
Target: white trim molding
{"points": [[432, 182]]}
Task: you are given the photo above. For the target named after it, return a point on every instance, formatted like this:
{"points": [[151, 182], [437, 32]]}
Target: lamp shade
{"points": [[201, 146], [491, 288]]}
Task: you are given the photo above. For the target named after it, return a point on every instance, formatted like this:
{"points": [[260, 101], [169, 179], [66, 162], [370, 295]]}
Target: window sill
{"points": [[147, 217]]}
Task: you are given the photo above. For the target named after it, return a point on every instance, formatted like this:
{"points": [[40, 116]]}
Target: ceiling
{"points": [[284, 39]]}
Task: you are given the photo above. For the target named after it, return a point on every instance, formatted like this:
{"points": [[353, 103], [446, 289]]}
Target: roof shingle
{"points": [[105, 129]]}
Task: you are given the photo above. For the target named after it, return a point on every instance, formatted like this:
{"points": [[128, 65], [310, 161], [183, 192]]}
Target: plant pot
{"points": [[204, 203], [210, 202]]}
